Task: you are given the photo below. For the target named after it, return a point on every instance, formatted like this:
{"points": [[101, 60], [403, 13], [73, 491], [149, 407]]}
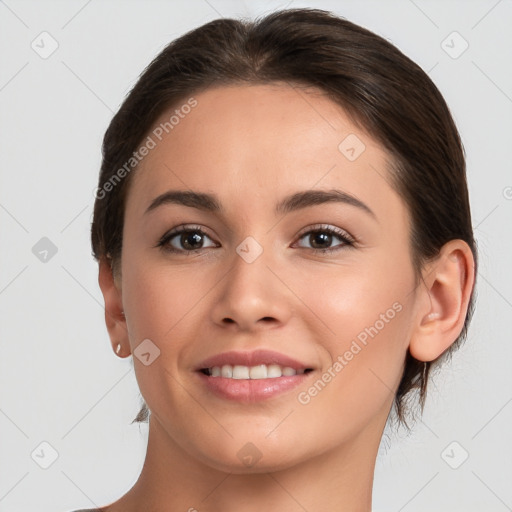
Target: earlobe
{"points": [[114, 315], [444, 297]]}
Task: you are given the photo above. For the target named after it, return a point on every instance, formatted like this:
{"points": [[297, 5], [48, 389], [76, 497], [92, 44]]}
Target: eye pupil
{"points": [[191, 240], [320, 240]]}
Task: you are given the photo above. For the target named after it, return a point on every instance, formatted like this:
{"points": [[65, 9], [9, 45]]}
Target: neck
{"points": [[171, 479]]}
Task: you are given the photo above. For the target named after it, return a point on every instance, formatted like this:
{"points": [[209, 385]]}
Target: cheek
{"points": [[350, 300], [358, 386], [161, 306], [160, 301], [366, 314]]}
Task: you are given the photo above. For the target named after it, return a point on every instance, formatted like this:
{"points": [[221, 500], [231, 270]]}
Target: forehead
{"points": [[266, 140]]}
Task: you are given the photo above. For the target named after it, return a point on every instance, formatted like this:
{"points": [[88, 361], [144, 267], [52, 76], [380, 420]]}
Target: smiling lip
{"points": [[252, 359], [251, 390]]}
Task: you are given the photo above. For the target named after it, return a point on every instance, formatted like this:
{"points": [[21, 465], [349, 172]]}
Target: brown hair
{"points": [[382, 90]]}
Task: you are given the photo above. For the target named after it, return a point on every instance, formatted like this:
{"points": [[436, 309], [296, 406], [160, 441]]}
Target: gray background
{"points": [[60, 382]]}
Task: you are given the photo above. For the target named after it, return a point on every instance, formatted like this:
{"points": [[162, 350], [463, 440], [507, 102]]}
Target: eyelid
{"points": [[347, 240], [163, 242], [330, 228]]}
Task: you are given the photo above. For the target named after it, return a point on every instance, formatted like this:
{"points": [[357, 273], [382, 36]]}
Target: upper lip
{"points": [[253, 358]]}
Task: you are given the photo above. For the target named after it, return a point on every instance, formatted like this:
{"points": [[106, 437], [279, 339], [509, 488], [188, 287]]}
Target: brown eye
{"points": [[191, 240], [186, 240], [322, 239]]}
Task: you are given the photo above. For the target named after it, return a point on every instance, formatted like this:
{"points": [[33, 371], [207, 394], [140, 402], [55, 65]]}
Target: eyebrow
{"points": [[297, 201]]}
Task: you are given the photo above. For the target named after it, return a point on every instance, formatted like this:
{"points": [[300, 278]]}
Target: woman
{"points": [[284, 240]]}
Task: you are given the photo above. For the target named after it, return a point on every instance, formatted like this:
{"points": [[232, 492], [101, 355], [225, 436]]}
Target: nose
{"points": [[251, 297]]}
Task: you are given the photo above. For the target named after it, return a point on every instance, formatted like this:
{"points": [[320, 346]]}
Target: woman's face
{"points": [[300, 258]]}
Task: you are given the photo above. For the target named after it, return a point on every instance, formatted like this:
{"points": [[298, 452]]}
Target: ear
{"points": [[114, 314], [444, 298]]}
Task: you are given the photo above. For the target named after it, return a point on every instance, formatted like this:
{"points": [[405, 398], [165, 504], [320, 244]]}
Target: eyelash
{"points": [[344, 237]]}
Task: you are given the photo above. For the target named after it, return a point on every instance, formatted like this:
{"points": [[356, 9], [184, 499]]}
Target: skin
{"points": [[252, 146]]}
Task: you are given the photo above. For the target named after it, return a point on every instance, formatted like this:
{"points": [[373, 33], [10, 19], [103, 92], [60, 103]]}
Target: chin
{"points": [[248, 464], [241, 455]]}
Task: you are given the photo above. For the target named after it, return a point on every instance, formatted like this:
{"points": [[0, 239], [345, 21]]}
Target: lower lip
{"points": [[251, 390]]}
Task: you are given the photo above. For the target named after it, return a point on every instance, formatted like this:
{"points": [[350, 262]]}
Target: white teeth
{"points": [[240, 372], [258, 372], [227, 371], [261, 371], [274, 370]]}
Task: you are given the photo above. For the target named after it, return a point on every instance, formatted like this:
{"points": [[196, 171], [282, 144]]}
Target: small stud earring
{"points": [[118, 348]]}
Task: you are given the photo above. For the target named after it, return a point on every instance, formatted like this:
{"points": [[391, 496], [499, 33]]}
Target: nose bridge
{"points": [[251, 294]]}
